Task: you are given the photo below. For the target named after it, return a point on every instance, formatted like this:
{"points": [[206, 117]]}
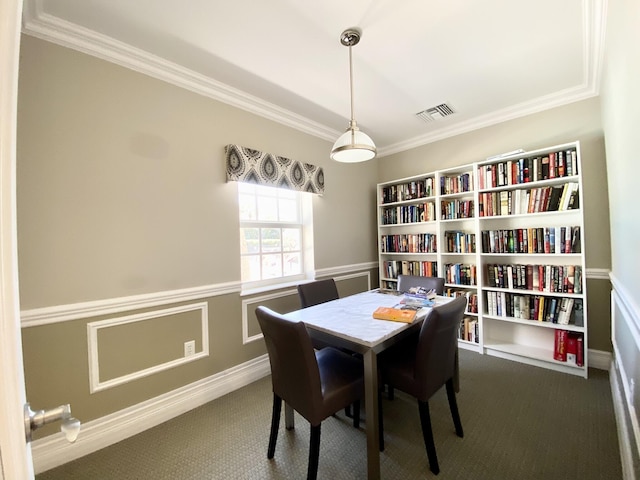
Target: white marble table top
{"points": [[352, 317]]}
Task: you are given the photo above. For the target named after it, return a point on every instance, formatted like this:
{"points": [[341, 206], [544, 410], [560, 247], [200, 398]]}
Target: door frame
{"points": [[15, 454]]}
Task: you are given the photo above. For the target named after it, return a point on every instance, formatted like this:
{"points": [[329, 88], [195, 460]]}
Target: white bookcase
{"points": [[429, 225]]}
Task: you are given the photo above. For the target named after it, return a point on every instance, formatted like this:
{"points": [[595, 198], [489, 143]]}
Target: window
{"points": [[274, 234]]}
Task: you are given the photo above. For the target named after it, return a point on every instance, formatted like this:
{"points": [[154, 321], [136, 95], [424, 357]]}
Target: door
{"points": [[15, 453]]}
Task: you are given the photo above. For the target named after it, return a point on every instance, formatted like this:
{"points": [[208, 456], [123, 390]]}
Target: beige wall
{"points": [[121, 183], [122, 193], [621, 119], [577, 121]]}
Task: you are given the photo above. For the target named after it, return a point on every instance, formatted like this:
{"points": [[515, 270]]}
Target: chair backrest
{"points": [[317, 292], [405, 282], [437, 346], [294, 369]]}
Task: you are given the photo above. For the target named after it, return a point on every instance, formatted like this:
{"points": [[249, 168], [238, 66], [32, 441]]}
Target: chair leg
{"points": [[275, 425], [427, 434], [347, 411], [380, 422], [390, 395], [453, 405], [356, 414], [314, 453]]}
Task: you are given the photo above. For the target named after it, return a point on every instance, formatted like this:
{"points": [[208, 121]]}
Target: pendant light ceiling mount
{"points": [[353, 145]]}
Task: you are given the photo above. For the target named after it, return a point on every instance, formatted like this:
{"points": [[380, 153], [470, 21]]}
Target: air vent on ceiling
{"points": [[435, 113]]}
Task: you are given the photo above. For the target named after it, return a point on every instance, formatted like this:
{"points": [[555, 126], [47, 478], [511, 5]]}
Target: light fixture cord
{"points": [[353, 118]]}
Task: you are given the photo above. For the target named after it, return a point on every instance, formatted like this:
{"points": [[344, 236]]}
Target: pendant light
{"points": [[353, 145]]}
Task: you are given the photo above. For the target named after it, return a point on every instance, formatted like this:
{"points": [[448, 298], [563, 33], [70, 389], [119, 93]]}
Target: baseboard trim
{"points": [[54, 450], [623, 425], [600, 359]]}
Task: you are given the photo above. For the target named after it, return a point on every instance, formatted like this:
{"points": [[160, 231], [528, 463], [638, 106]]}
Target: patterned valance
{"points": [[248, 165]]}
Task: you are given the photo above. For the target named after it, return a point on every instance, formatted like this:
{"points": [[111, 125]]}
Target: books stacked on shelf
{"points": [[408, 191], [563, 163], [409, 243], [457, 241], [460, 274], [456, 209], [456, 184], [560, 310], [422, 212], [569, 347], [469, 330], [472, 298], [393, 268], [534, 200], [532, 240], [542, 278]]}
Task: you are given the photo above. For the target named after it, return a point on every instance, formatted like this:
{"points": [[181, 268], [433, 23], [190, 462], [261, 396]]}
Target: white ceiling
{"points": [[491, 60]]}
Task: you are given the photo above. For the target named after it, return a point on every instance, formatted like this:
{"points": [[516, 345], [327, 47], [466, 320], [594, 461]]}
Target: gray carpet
{"points": [[520, 422]]}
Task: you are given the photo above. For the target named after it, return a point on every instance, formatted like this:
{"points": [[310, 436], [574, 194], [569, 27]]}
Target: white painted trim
{"points": [[346, 269], [54, 450], [15, 455], [75, 311], [599, 359], [623, 427], [629, 305], [598, 273], [39, 24], [625, 304], [95, 385], [252, 301]]}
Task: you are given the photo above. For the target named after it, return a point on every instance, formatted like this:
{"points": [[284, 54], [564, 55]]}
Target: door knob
{"points": [[34, 420]]}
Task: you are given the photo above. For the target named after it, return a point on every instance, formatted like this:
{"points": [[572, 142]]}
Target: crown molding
{"points": [[39, 24], [47, 27]]}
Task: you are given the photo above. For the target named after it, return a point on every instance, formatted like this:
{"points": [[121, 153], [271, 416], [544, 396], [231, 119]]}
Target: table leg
{"points": [[289, 421], [371, 414]]}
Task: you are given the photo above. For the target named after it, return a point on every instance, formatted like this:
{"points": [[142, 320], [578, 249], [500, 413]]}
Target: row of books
{"points": [[534, 200], [560, 310], [424, 212], [472, 298], [469, 330], [460, 274], [569, 347], [457, 241], [409, 243], [408, 191], [393, 268], [563, 163], [542, 278], [532, 240], [457, 209], [456, 184]]}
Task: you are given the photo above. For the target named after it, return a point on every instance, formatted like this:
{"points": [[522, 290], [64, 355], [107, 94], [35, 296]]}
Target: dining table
{"points": [[348, 323]]}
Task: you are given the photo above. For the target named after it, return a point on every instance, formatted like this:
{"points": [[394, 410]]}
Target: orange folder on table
{"points": [[394, 314]]}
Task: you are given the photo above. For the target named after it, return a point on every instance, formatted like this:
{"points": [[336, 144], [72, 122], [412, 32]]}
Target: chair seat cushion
{"points": [[341, 379]]}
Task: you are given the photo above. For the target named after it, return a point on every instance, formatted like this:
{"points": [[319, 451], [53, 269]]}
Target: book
{"points": [[394, 314], [560, 346]]}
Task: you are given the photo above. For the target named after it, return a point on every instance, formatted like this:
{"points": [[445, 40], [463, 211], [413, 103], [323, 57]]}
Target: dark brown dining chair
{"points": [[315, 293], [319, 291], [405, 282], [316, 384], [421, 369]]}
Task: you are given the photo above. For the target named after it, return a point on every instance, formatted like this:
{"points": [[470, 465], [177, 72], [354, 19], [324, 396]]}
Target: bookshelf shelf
{"points": [[521, 211]]}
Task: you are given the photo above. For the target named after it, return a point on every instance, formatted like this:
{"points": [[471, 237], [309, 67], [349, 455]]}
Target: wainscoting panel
{"points": [[119, 351]]}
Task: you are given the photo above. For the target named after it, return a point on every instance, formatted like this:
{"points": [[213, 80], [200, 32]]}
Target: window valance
{"points": [[248, 165]]}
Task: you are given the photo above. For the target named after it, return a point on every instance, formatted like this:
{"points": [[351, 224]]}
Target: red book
{"points": [[580, 351], [552, 165], [560, 346]]}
